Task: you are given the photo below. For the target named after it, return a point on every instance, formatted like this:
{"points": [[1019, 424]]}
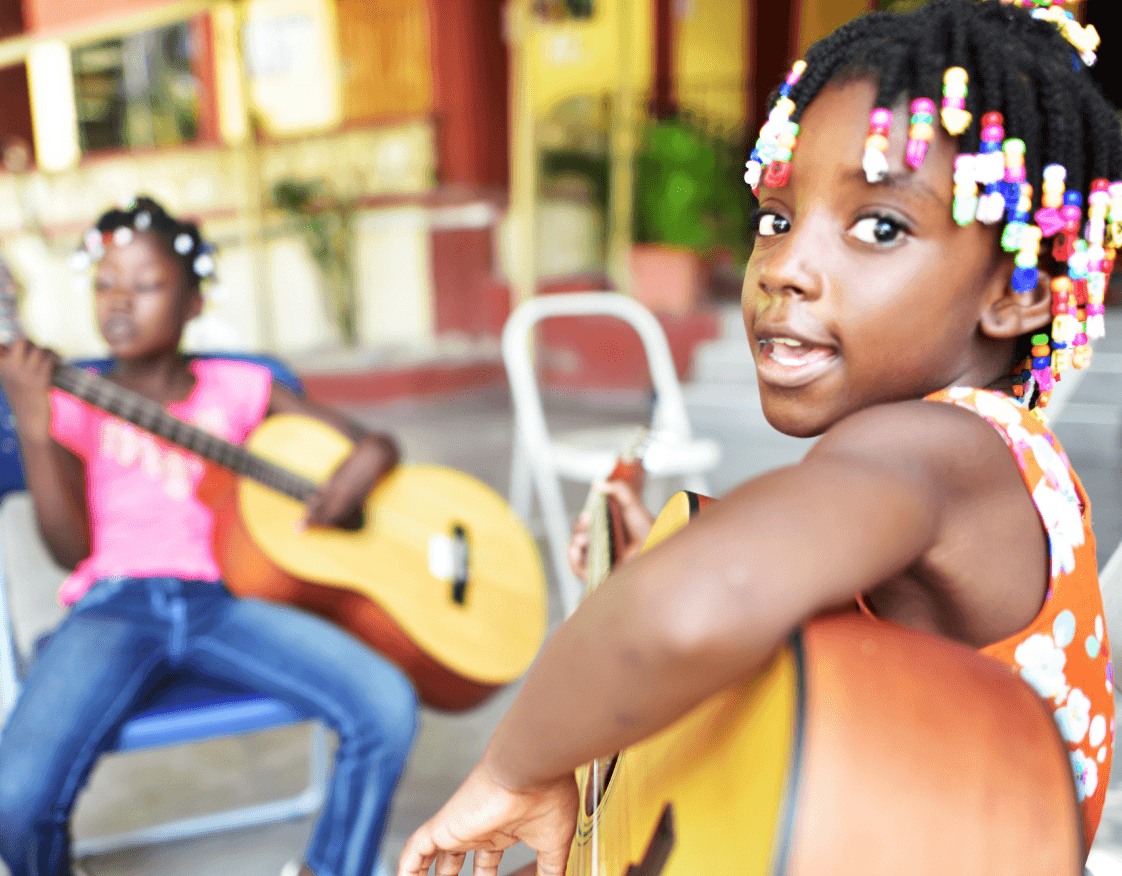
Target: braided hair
{"points": [[1037, 141], [181, 239]]}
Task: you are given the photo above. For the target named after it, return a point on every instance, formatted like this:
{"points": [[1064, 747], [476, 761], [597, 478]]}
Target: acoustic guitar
{"points": [[864, 749], [438, 573]]}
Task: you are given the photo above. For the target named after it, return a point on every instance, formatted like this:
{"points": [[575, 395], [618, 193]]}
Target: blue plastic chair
{"points": [[181, 711]]}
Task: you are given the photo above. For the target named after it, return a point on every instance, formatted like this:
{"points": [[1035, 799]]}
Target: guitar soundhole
{"points": [[596, 785]]}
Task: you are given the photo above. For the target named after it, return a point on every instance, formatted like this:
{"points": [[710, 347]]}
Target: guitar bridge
{"points": [[449, 561]]}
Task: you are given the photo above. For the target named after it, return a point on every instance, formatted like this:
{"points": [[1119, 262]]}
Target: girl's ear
{"points": [[1010, 314]]}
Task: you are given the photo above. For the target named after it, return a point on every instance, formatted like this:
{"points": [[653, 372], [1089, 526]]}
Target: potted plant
{"points": [[325, 222], [690, 210]]}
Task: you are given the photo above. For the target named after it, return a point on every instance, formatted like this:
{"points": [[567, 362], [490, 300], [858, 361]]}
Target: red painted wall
{"points": [[54, 14], [471, 80]]}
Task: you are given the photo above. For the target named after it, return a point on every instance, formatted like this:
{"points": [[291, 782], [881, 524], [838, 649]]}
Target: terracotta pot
{"points": [[666, 279]]}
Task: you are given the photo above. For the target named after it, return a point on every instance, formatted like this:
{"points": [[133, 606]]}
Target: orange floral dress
{"points": [[1064, 653]]}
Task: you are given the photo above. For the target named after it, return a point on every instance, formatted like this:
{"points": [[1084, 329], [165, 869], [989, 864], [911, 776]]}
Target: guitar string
{"points": [[152, 417]]}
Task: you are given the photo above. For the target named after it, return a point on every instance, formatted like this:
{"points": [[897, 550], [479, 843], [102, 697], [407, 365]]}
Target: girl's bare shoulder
{"points": [[950, 443]]}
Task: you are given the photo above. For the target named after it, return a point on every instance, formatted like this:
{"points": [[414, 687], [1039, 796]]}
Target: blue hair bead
{"points": [[1073, 198], [1039, 363], [784, 89], [1024, 279], [1012, 194]]}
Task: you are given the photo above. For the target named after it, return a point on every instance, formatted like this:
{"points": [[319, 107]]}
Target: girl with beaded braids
{"points": [[118, 506], [938, 206]]}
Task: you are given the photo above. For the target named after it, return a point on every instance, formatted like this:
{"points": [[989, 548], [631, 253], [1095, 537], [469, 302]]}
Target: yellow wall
{"points": [[712, 58], [820, 17], [581, 57]]}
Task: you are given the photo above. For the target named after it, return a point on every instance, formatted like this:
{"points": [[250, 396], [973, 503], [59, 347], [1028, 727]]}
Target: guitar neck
{"points": [[151, 417]]}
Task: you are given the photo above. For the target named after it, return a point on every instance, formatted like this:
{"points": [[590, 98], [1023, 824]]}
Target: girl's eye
{"points": [[878, 230], [770, 224]]}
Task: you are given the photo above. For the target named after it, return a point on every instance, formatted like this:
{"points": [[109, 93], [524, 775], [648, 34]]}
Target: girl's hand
{"points": [[25, 374], [345, 491], [486, 817], [637, 523]]}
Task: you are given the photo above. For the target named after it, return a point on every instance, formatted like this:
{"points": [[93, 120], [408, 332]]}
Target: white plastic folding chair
{"points": [[540, 460]]}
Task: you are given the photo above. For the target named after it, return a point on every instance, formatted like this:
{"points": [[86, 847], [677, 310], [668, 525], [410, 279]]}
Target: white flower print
{"points": [[1054, 467], [1098, 731], [1042, 665], [1063, 628], [994, 407], [1074, 717], [1086, 774], [1063, 525]]}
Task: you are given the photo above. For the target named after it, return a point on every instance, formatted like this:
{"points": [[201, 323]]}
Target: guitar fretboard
{"points": [[151, 417]]}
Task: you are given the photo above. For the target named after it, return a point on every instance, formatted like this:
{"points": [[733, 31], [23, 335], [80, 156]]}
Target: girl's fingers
{"points": [[418, 854], [449, 863], [486, 862]]}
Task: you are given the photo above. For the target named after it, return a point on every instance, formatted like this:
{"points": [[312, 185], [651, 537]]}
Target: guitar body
{"points": [[864, 748], [392, 582]]}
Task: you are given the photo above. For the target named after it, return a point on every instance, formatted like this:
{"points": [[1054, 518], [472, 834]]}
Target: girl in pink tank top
{"points": [[939, 202], [148, 606]]}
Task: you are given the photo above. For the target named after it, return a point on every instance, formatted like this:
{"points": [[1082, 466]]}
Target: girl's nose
{"points": [[120, 299], [793, 265]]}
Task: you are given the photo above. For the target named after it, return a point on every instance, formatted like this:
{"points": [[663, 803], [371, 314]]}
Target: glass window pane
{"points": [[137, 91]]}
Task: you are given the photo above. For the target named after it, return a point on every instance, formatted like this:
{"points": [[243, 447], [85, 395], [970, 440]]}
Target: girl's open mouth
{"points": [[118, 329], [786, 362]]}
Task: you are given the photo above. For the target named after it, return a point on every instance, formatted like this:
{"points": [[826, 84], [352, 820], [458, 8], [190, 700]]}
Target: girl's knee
{"points": [[384, 713]]}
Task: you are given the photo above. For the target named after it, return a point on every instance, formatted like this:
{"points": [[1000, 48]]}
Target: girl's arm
{"points": [[55, 476], [703, 610], [374, 455]]}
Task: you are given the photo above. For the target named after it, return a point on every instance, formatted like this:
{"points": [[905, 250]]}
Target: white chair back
{"points": [[539, 459]]}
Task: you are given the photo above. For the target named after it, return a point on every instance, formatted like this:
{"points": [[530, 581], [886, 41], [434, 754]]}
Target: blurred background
{"points": [[387, 177], [385, 180]]}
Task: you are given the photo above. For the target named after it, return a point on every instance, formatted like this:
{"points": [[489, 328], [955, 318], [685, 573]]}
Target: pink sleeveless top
{"points": [[1064, 653], [144, 517]]}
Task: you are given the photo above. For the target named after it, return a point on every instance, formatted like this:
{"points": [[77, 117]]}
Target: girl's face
{"points": [[860, 293], [142, 299]]}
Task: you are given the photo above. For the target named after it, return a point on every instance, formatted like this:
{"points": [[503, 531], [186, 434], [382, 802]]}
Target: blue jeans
{"points": [[125, 636]]}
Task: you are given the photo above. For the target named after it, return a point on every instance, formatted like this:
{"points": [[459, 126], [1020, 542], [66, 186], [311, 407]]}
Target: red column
{"points": [[471, 81], [663, 105], [772, 38]]}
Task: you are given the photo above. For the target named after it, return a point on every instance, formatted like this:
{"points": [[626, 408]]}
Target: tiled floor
{"points": [[472, 433]]}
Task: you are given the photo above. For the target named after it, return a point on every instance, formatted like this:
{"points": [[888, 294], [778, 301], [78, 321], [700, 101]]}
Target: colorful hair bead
{"points": [[776, 141], [1098, 202], [921, 131], [1114, 214], [1025, 272], [752, 170], [965, 188], [1017, 221], [1048, 217], [1084, 39], [1072, 215], [954, 114], [875, 162], [990, 169], [1065, 323]]}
